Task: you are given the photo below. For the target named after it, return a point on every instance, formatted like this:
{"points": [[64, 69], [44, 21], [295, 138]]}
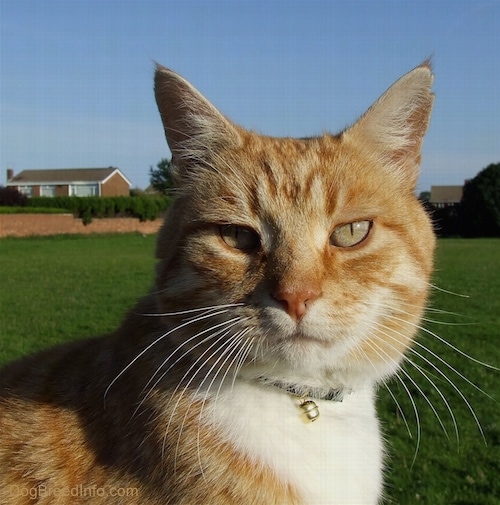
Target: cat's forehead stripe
{"points": [[289, 170]]}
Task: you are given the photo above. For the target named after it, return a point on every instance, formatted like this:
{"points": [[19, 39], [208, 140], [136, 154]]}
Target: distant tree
{"points": [[424, 196], [11, 197], [446, 220], [480, 205], [161, 176], [136, 192]]}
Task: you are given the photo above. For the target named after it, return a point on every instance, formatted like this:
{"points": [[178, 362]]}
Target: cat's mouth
{"points": [[300, 337], [300, 333]]}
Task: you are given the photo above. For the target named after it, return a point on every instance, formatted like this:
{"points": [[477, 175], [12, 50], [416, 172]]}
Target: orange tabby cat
{"points": [[292, 275]]}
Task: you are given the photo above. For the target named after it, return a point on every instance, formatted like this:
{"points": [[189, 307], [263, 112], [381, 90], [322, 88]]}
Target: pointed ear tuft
{"points": [[394, 126], [192, 124]]}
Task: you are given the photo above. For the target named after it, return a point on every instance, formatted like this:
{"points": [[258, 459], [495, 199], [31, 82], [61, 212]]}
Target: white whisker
{"points": [[415, 384], [444, 376], [441, 339], [196, 363], [226, 348], [238, 339], [244, 355], [152, 344], [220, 327], [378, 350], [193, 311], [398, 407], [443, 398], [223, 328], [434, 286], [456, 349], [459, 351]]}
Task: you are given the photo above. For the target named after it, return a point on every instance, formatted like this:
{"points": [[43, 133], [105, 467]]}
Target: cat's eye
{"points": [[350, 234], [239, 237]]}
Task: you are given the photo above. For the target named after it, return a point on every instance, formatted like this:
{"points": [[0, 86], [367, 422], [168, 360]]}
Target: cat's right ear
{"points": [[192, 124]]}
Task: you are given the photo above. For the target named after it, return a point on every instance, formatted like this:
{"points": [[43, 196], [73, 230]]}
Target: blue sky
{"points": [[76, 76]]}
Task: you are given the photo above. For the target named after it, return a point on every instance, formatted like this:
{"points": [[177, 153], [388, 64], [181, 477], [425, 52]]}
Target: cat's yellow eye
{"points": [[239, 237], [350, 234]]}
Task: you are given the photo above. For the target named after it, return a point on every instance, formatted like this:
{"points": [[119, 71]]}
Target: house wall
{"points": [[115, 186], [62, 190]]}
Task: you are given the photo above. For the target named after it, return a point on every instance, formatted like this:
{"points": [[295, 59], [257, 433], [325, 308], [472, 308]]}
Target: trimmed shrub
{"points": [[87, 208]]}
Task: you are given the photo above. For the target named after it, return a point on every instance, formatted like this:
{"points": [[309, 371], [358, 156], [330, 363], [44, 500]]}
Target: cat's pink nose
{"points": [[296, 302]]}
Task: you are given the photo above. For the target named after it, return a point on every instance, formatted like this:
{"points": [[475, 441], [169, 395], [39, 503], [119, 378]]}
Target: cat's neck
{"points": [[335, 394]]}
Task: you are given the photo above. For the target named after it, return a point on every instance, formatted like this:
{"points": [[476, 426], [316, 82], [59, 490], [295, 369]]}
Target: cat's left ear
{"points": [[394, 126]]}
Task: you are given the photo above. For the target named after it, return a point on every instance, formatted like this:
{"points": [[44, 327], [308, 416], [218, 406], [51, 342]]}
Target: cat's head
{"points": [[311, 256]]}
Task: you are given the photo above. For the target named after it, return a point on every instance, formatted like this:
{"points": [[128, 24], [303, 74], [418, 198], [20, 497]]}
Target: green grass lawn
{"points": [[53, 289], [58, 288]]}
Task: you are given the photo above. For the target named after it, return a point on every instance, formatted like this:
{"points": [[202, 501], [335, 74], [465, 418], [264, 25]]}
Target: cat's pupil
{"points": [[239, 237]]}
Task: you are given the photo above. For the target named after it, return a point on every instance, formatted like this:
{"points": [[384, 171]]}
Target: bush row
{"points": [[146, 208]]}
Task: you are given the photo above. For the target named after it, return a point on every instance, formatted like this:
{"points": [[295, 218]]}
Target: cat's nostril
{"points": [[296, 302]]}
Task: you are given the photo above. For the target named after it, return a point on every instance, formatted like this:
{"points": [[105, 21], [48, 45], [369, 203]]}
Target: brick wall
{"points": [[23, 225]]}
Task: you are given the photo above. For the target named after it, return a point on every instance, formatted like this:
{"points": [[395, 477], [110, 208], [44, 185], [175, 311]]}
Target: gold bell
{"points": [[310, 411]]}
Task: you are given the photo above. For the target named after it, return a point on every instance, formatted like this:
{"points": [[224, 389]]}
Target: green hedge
{"points": [[146, 208]]}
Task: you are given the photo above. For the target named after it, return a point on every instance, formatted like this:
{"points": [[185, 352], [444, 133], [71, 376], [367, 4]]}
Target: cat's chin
{"points": [[310, 336], [303, 359]]}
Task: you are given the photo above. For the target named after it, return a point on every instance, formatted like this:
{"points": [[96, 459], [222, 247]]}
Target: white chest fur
{"points": [[337, 460]]}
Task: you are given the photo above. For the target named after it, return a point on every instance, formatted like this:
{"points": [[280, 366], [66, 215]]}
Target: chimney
{"points": [[10, 174]]}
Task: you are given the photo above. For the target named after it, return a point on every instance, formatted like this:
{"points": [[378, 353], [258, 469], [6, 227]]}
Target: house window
{"points": [[25, 190], [84, 189], [47, 191]]}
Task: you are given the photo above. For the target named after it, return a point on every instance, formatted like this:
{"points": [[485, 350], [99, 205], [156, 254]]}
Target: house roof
{"points": [[65, 176], [446, 194]]}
